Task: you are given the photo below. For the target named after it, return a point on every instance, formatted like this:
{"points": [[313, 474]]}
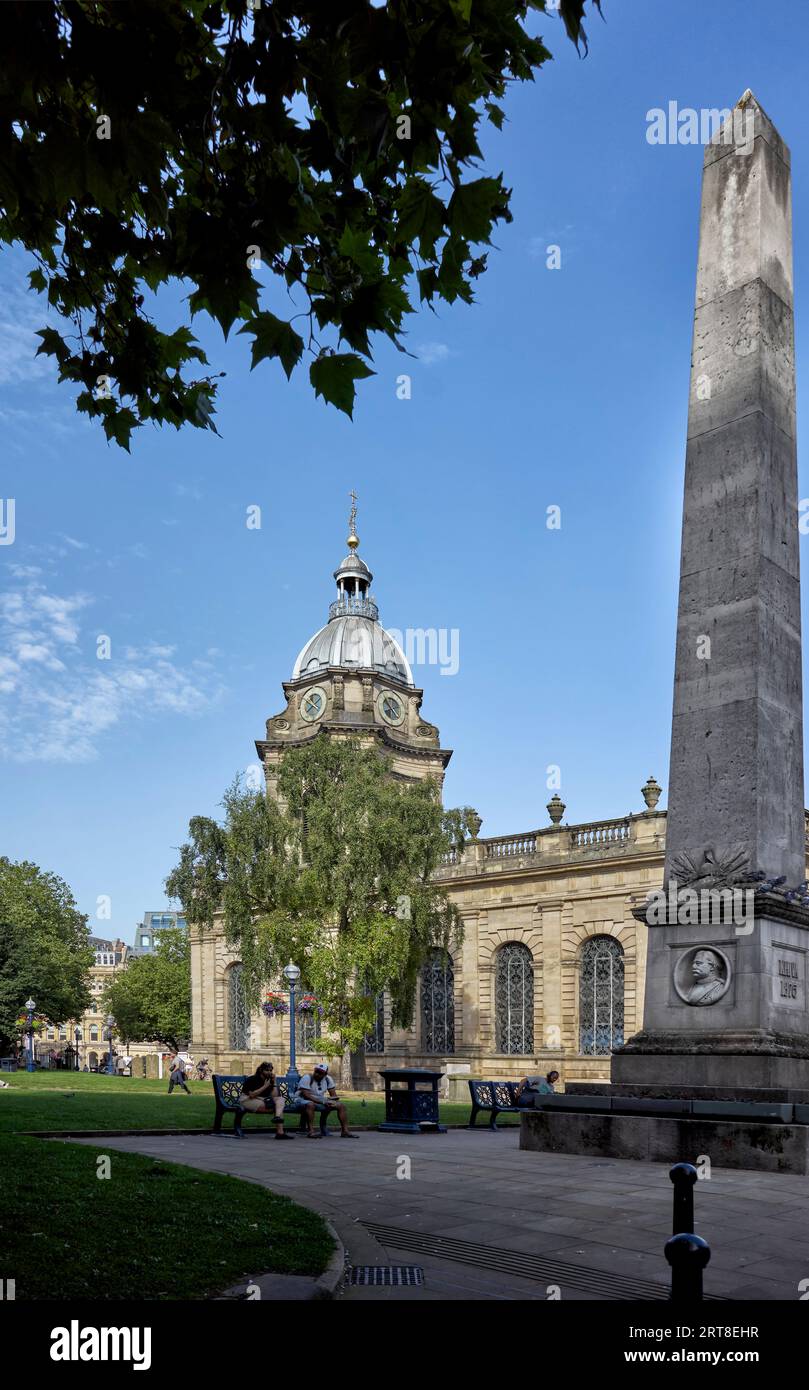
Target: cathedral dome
{"points": [[354, 638]]}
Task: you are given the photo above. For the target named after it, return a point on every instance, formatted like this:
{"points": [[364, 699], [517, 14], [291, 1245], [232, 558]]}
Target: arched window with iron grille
{"points": [[514, 998], [238, 1014], [375, 1040], [307, 1026], [601, 996], [438, 1003]]}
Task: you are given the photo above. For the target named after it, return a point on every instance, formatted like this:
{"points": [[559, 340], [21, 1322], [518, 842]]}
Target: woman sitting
{"points": [[260, 1095]]}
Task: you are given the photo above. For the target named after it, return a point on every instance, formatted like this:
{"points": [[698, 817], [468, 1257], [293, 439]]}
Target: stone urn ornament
{"points": [[556, 808], [651, 793]]}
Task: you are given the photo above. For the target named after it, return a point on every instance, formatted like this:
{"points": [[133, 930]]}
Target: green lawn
{"points": [[64, 1101], [151, 1230]]}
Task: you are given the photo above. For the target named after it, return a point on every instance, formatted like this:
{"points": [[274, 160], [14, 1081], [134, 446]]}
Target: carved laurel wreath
{"points": [[711, 867]]}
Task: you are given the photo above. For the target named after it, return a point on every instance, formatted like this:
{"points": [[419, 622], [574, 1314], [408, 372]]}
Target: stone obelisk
{"points": [[726, 1000], [736, 771]]}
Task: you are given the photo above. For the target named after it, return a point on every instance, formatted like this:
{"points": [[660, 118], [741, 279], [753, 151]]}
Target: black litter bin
{"points": [[411, 1101]]}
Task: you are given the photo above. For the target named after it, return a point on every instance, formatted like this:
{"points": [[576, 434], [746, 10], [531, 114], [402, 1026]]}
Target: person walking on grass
{"points": [[177, 1075], [318, 1091], [261, 1096]]}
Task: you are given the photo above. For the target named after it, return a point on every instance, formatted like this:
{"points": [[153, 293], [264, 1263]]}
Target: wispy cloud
{"points": [[564, 237], [430, 353], [21, 314], [58, 701]]}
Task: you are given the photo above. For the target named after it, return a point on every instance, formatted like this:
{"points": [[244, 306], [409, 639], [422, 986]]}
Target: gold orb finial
{"points": [[353, 538]]}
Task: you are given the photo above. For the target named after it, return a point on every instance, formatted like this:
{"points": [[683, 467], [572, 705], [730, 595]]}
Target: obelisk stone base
{"points": [[750, 1034], [764, 1148]]}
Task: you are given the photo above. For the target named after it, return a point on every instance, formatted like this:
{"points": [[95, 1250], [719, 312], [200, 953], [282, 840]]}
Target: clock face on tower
{"points": [[391, 707], [313, 704]]}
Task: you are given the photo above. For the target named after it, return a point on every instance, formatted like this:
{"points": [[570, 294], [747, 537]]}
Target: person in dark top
{"points": [[260, 1095]]}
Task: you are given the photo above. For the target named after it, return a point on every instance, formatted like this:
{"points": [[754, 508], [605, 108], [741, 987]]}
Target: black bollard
{"points": [[688, 1255], [683, 1175]]}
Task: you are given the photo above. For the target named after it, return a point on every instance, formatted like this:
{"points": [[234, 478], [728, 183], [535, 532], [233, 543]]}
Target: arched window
{"points": [[438, 1003], [93, 1032], [375, 1040], [514, 998], [238, 1016], [307, 1025], [601, 996]]}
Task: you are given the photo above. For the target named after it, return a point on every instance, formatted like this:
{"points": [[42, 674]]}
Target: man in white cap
{"points": [[317, 1090]]}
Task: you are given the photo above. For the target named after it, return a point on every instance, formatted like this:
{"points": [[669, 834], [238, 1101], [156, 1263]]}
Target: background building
{"points": [[153, 922], [59, 1043]]}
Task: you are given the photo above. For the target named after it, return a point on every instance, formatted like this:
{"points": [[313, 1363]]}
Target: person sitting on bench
{"points": [[317, 1091], [532, 1086], [260, 1095]]}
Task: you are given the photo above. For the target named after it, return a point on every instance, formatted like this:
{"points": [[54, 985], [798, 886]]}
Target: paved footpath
{"points": [[487, 1221]]}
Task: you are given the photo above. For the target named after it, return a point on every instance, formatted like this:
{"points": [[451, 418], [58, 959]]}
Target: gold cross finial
{"points": [[353, 538]]}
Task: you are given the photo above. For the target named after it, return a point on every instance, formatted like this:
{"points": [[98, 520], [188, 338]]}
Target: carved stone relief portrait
{"points": [[702, 975]]}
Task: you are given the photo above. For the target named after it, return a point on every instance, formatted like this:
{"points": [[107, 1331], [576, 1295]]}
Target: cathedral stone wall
{"points": [[549, 892]]}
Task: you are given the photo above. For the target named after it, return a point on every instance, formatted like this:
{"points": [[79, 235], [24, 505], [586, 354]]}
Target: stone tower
{"points": [[352, 677]]}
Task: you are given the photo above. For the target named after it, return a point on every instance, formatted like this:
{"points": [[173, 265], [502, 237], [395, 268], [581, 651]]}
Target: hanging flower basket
{"points": [[275, 1005], [35, 1027], [308, 1005]]}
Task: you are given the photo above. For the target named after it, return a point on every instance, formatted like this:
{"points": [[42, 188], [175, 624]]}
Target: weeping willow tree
{"points": [[335, 874]]}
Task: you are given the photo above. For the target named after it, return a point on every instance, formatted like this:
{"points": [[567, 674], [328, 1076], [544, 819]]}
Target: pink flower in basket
{"points": [[275, 1005], [308, 1005]]}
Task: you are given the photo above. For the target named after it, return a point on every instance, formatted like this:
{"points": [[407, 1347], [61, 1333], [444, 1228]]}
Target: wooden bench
{"points": [[228, 1090], [496, 1097]]}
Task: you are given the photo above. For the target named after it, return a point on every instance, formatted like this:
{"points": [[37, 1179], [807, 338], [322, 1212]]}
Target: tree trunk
{"points": [[345, 1070]]}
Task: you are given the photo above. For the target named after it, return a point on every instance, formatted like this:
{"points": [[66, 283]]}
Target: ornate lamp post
{"points": [[110, 1024], [77, 1035], [292, 974], [29, 1008]]}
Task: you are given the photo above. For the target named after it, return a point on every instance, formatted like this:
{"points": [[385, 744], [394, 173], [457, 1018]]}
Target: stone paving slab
{"points": [[612, 1217]]}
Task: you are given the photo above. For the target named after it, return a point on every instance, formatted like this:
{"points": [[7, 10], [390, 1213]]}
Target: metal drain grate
{"points": [[386, 1274], [525, 1266]]}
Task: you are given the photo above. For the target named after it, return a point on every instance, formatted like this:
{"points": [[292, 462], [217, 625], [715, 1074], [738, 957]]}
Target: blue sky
{"points": [[559, 388]]}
